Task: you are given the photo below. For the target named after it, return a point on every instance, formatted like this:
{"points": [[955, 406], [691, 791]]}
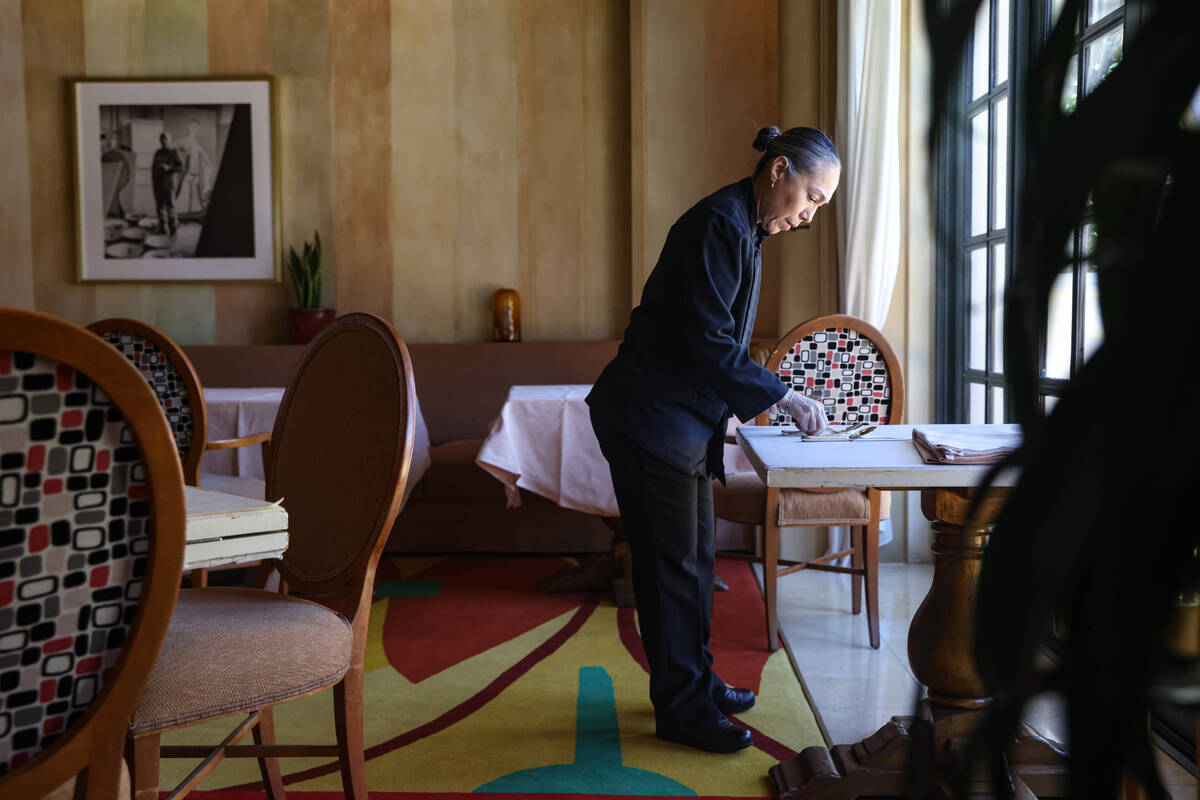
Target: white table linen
{"points": [[543, 441], [234, 412], [884, 459]]}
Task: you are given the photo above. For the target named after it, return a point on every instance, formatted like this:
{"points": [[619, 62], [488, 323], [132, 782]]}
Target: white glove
{"points": [[807, 413]]}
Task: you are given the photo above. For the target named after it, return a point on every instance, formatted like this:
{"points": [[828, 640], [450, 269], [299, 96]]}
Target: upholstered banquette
{"points": [[461, 388]]}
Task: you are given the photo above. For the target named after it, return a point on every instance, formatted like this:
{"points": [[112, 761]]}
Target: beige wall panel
{"points": [[675, 177], [423, 225], [115, 45], [52, 46], [606, 153], [705, 79], [360, 67], [742, 95], [300, 60], [807, 88], [239, 37], [551, 182], [176, 37], [174, 42], [638, 147], [485, 108], [16, 237], [239, 43], [741, 81]]}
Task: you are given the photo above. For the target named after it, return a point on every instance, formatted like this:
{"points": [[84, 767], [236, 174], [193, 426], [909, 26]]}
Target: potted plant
{"points": [[308, 318]]}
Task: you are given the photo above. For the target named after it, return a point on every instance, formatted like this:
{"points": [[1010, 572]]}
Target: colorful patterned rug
{"points": [[477, 683]]}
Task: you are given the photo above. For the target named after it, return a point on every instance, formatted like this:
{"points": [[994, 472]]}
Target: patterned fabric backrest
{"points": [[74, 538], [843, 369], [159, 371]]}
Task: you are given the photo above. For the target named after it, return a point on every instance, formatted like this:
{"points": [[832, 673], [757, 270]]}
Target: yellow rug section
{"points": [[532, 723]]}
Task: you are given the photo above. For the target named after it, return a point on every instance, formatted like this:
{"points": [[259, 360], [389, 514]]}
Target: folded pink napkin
{"points": [[976, 446]]}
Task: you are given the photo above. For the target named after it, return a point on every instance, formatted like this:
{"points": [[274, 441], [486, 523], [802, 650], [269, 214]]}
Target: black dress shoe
{"points": [[722, 737], [734, 701]]}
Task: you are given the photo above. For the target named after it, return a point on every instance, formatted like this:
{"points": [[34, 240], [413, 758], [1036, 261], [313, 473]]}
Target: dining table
{"points": [[224, 530], [940, 636]]}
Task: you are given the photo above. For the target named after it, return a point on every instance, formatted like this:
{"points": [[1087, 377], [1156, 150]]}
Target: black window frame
{"points": [[1029, 25]]}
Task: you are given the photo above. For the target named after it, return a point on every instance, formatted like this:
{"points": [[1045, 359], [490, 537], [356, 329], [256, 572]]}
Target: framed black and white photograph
{"points": [[175, 180]]}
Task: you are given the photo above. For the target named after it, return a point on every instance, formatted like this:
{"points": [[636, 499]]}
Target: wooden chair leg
{"points": [[142, 753], [348, 719], [771, 567], [871, 567], [264, 733], [856, 561], [102, 779]]}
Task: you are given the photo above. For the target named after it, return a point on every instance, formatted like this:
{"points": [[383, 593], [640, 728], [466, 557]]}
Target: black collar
{"points": [[756, 230]]}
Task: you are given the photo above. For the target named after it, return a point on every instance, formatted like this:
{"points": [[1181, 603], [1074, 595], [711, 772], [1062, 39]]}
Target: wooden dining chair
{"points": [[342, 446], [170, 373], [92, 532], [848, 365]]}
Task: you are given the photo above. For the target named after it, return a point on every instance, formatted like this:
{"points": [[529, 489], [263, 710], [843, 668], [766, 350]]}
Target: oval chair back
{"points": [[845, 363], [342, 446], [170, 373], [92, 529]]}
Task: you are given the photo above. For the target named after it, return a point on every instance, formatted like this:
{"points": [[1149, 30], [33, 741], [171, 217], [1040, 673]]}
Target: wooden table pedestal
{"points": [[940, 644]]}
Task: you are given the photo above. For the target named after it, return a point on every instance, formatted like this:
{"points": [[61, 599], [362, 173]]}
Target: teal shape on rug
{"points": [[400, 588], [597, 768]]}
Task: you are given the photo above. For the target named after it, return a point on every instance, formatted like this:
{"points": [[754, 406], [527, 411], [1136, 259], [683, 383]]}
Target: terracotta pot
{"points": [[305, 323]]}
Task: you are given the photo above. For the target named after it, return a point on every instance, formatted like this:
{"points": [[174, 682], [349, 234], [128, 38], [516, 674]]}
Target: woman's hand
{"points": [[807, 413]]}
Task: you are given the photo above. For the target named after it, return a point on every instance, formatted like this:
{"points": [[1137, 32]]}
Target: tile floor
{"points": [[856, 689]]}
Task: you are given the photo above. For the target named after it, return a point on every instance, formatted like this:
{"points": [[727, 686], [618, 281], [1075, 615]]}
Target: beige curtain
{"points": [[867, 136]]}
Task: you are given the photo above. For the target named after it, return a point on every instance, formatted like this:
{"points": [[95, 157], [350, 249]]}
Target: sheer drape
{"points": [[867, 137]]}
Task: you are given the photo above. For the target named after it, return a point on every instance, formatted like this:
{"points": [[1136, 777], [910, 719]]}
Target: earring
{"points": [[772, 184]]}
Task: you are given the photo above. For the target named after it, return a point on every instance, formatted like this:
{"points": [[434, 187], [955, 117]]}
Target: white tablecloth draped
{"points": [[245, 411], [543, 441]]}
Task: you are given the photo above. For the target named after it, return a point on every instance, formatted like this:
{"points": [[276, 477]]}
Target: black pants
{"points": [[667, 514]]}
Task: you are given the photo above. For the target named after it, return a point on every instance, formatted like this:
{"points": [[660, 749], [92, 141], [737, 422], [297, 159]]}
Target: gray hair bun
{"points": [[765, 135]]}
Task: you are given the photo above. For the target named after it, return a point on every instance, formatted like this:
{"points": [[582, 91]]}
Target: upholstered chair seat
{"points": [[742, 497], [199, 675]]}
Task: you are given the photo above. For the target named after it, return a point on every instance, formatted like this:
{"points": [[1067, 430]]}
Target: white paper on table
{"points": [[967, 447]]}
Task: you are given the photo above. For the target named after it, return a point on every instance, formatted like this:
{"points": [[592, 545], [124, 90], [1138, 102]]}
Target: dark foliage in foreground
{"points": [[1101, 528]]}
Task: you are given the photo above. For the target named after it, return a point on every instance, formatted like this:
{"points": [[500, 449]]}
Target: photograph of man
{"points": [[165, 171]]}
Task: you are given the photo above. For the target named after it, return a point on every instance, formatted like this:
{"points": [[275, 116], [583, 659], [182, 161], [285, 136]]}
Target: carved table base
{"points": [[939, 650]]}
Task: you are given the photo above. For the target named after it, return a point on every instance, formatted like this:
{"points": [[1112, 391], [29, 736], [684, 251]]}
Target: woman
{"points": [[660, 409]]}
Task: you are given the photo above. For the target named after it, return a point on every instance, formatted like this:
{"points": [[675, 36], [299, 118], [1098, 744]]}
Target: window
{"points": [[978, 160]]}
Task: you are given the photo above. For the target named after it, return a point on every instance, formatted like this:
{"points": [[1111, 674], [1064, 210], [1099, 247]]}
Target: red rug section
{"points": [[485, 602], [738, 639]]}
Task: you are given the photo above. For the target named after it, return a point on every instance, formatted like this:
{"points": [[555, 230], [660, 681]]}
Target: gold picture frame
{"points": [[177, 180]]}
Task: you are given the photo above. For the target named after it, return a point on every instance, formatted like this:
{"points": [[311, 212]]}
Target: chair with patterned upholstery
{"points": [[848, 365], [91, 548], [170, 373], [340, 457]]}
